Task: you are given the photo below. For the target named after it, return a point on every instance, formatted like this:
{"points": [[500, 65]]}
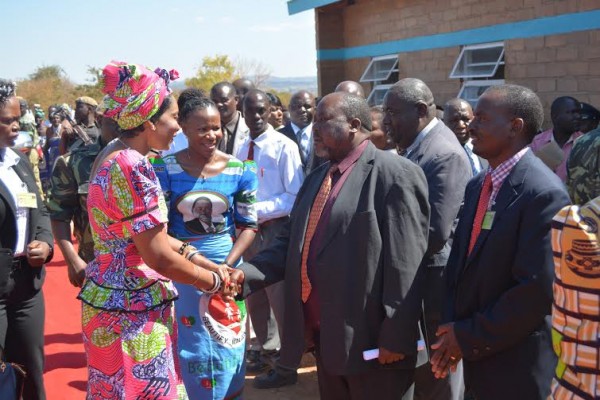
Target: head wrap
{"points": [[87, 100], [134, 93]]}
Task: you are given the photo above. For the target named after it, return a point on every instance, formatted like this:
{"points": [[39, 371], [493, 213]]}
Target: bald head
{"points": [[351, 87], [302, 108], [457, 116]]}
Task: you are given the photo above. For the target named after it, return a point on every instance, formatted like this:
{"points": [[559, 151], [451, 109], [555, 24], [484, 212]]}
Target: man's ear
{"points": [[422, 109], [355, 125], [517, 125]]}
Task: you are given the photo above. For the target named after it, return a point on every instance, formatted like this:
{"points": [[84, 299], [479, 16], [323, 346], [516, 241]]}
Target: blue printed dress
{"points": [[206, 212]]}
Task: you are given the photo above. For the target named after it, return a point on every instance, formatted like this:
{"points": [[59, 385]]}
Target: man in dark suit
{"points": [[410, 120], [299, 129], [350, 256], [501, 269], [25, 245]]}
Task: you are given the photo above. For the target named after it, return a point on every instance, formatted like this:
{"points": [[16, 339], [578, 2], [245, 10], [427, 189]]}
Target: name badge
{"points": [[27, 200], [488, 220]]}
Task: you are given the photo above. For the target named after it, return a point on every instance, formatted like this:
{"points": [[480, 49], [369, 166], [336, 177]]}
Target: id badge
{"points": [[488, 220], [27, 200]]}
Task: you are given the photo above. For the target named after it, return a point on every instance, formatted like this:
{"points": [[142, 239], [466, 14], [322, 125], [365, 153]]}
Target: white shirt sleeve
{"points": [[291, 178]]}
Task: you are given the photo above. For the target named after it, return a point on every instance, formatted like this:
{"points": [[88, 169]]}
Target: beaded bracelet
{"points": [[182, 248]]}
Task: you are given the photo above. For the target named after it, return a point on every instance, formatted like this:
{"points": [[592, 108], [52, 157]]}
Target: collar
{"points": [[500, 173], [422, 135], [8, 157], [353, 156], [296, 128], [233, 123], [264, 137]]}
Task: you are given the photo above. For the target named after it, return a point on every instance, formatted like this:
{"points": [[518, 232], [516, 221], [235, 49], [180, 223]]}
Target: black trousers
{"points": [[22, 316], [380, 384]]}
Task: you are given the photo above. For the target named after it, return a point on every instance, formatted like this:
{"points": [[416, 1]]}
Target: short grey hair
{"points": [[7, 90]]}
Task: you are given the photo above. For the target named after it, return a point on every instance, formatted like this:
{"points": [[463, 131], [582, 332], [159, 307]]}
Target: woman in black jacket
{"points": [[25, 246]]}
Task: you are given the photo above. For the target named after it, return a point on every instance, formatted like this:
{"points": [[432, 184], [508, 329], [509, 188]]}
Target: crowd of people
{"points": [[417, 254]]}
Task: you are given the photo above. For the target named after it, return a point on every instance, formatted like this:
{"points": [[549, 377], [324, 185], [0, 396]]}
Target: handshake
{"points": [[227, 281]]}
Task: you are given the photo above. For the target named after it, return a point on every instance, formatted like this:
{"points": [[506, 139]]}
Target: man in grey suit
{"points": [[235, 130], [351, 256], [410, 120]]}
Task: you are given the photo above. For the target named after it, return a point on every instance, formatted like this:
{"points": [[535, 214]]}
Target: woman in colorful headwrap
{"points": [[129, 329], [211, 194]]}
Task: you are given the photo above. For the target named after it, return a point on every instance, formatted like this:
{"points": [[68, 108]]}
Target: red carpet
{"points": [[66, 373]]}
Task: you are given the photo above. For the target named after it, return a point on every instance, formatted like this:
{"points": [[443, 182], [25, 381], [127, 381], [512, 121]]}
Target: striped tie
{"points": [[313, 220]]}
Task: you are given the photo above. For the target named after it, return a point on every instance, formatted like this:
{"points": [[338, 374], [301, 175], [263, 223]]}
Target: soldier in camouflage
{"points": [[67, 201], [583, 169]]}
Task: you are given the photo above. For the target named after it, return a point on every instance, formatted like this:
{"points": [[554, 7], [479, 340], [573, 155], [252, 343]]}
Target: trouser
{"points": [[427, 387], [380, 384], [22, 316], [265, 306]]}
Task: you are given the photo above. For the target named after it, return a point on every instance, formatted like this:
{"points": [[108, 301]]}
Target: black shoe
{"points": [[273, 380], [255, 362]]}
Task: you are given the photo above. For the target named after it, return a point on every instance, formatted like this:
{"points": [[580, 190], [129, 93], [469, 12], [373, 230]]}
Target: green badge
{"points": [[488, 220]]}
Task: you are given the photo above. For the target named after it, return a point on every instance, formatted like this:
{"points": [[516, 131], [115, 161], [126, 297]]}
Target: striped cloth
{"points": [[576, 307]]}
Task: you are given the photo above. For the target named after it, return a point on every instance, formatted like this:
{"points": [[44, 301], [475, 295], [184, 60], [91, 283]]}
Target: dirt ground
{"points": [[305, 389]]}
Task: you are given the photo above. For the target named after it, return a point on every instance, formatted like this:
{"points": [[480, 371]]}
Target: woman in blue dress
{"points": [[211, 195]]}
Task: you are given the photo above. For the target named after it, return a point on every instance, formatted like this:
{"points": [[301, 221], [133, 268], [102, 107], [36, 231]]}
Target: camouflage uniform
{"points": [[34, 157], [68, 193], [583, 168]]}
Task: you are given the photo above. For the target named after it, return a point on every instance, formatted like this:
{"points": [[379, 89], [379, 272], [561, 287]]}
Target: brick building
{"points": [[459, 47]]}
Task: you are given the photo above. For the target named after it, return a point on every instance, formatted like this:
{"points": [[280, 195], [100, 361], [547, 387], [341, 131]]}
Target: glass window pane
{"points": [[379, 69], [377, 95], [478, 62]]}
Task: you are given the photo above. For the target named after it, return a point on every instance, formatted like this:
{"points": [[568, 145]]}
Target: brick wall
{"points": [[556, 65]]}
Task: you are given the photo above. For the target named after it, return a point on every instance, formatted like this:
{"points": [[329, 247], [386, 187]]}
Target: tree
{"points": [[213, 70], [47, 85], [93, 88], [254, 70]]}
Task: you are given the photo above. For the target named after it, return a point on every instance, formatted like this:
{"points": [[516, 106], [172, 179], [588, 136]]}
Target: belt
{"points": [[18, 262], [271, 221]]}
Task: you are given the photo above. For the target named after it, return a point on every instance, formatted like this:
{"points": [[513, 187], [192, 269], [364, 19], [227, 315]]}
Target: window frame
{"points": [[375, 89], [477, 83], [389, 72], [500, 61]]}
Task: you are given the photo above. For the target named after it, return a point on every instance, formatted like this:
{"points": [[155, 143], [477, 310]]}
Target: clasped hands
{"points": [[447, 353], [37, 253]]}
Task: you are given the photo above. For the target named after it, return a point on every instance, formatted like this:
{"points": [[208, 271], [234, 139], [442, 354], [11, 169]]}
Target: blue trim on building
{"points": [[555, 25], [296, 6]]}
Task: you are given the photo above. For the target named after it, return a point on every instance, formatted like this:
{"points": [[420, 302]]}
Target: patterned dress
{"points": [[129, 331], [206, 212], [576, 308]]}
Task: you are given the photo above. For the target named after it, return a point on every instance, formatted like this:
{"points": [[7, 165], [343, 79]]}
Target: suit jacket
{"points": [[500, 295], [239, 136], [313, 161], [39, 222], [447, 169], [367, 266]]}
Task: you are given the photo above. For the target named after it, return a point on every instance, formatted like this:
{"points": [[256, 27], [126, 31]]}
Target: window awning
{"points": [[297, 6]]}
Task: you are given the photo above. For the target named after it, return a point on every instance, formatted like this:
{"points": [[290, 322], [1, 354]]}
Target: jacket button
{"points": [[475, 351], [488, 348]]}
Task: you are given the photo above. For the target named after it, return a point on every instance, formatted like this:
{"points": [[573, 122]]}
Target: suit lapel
{"points": [[506, 196], [25, 174], [344, 207]]}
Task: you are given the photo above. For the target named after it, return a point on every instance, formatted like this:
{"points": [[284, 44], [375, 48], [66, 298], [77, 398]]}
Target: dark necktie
{"points": [[470, 157], [251, 151], [482, 207]]}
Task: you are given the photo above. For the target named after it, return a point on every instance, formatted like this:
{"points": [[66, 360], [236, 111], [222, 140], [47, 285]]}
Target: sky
{"points": [[75, 34]]}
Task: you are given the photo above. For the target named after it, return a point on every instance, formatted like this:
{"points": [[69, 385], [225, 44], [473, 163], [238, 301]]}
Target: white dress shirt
{"points": [[421, 136], [279, 172], [305, 140], [14, 185]]}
